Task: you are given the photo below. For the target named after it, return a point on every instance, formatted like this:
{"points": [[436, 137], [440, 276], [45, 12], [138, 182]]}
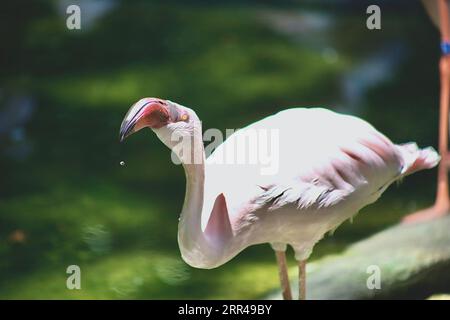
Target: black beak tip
{"points": [[125, 130], [122, 134]]}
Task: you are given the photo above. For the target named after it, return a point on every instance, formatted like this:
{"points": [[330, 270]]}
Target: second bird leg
{"points": [[284, 277], [302, 280]]}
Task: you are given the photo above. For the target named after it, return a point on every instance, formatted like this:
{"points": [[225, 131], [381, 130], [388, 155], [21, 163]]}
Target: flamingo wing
{"points": [[321, 158]]}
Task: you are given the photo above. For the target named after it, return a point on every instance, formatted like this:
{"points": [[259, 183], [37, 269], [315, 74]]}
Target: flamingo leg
{"points": [[283, 273], [442, 204], [302, 280]]}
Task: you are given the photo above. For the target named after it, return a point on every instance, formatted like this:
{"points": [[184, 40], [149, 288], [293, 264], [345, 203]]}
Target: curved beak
{"points": [[144, 107], [126, 128]]}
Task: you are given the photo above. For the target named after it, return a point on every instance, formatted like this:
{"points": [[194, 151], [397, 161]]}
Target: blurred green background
{"points": [[64, 198]]}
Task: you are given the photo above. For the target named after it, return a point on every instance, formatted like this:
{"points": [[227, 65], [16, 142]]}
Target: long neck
{"points": [[195, 248]]}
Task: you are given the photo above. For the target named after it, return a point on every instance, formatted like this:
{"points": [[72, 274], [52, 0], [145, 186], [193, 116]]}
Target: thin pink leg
{"points": [[284, 277], [302, 280], [442, 204]]}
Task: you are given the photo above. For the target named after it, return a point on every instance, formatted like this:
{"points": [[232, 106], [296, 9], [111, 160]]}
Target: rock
{"points": [[413, 262]]}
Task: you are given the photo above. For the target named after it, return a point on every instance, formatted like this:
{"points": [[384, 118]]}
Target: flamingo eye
{"points": [[184, 117]]}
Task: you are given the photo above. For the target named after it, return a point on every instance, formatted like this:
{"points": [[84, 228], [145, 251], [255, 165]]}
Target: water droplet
{"points": [[122, 163]]}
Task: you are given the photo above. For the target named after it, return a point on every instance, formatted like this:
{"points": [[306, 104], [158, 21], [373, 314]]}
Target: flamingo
{"points": [[438, 10], [330, 166]]}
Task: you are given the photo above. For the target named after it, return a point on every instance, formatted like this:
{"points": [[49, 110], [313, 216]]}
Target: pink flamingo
{"points": [[330, 166]]}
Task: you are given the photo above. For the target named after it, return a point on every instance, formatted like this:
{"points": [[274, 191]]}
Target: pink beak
{"points": [[147, 112]]}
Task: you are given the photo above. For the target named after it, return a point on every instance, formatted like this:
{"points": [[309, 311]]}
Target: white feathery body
{"points": [[329, 167]]}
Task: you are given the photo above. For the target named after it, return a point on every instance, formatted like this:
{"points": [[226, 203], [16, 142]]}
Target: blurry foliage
{"points": [[74, 204]]}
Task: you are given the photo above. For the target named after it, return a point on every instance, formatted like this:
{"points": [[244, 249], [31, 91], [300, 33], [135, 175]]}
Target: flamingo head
{"points": [[169, 120]]}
